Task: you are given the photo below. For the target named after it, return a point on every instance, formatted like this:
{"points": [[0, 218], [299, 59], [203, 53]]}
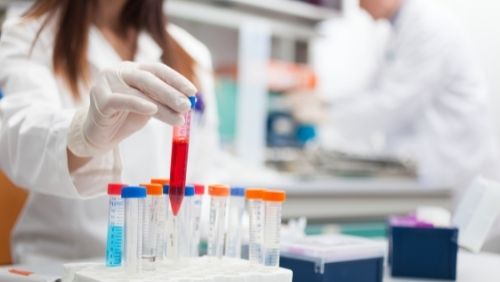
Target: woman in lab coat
{"points": [[428, 101], [76, 117]]}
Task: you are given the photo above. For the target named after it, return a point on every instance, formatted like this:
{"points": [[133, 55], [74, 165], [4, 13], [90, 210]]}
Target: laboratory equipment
{"points": [[186, 223], [154, 215], [171, 227], [273, 201], [235, 217], [334, 257], [114, 244], [179, 160], [256, 217], [134, 197], [199, 191], [161, 248], [199, 269], [418, 249], [216, 223]]}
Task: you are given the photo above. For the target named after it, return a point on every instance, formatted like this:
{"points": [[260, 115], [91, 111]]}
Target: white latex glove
{"points": [[122, 101]]}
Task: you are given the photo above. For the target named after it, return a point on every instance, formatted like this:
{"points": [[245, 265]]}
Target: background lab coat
{"points": [[35, 114], [428, 102]]}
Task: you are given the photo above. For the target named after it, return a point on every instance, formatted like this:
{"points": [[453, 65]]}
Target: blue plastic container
{"points": [[334, 258], [423, 252]]}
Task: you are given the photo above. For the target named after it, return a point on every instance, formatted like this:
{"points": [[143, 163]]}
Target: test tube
{"points": [[161, 246], [218, 203], [152, 228], [256, 218], [273, 201], [235, 217], [186, 222], [134, 197], [199, 191], [179, 160], [171, 246], [116, 214]]}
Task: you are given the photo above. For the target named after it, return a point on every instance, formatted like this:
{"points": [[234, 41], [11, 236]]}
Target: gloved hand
{"points": [[121, 102]]}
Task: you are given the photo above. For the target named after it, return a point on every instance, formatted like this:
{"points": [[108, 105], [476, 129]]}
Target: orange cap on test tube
{"points": [[254, 193], [274, 195], [218, 190], [153, 188], [161, 181]]}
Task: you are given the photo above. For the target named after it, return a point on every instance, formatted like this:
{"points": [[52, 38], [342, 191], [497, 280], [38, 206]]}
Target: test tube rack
{"points": [[197, 269]]}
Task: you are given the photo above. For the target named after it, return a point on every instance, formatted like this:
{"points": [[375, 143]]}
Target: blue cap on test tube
{"points": [[166, 188], [134, 192], [189, 190], [192, 99], [238, 191]]}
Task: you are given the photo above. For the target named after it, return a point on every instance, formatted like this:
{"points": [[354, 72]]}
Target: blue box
{"points": [[423, 252], [334, 258]]}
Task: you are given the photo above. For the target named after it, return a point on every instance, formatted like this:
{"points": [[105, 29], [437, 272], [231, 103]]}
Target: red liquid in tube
{"points": [[178, 168], [178, 164]]}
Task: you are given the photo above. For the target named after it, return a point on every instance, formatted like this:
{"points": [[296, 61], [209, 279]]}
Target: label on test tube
{"points": [[273, 201], [114, 245], [179, 160], [256, 218], [134, 197], [235, 217], [161, 245], [171, 248], [217, 219], [199, 191], [152, 228], [185, 223]]}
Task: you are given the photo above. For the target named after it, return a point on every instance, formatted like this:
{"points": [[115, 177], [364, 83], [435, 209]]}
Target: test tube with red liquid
{"points": [[179, 160]]}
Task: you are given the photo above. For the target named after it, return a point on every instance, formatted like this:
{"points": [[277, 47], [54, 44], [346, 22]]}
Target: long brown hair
{"points": [[74, 19]]}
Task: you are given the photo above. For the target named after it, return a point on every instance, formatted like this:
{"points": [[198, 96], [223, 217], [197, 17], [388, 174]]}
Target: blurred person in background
{"points": [[75, 116], [428, 101]]}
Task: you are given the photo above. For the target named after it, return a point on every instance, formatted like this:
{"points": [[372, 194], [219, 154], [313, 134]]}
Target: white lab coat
{"points": [[428, 102], [65, 215]]}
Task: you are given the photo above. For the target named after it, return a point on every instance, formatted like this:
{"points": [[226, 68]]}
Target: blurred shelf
{"points": [[346, 199], [286, 18], [286, 8]]}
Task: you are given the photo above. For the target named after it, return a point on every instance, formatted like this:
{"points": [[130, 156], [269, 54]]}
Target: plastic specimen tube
{"points": [[161, 245], [273, 201], [134, 198], [116, 215], [199, 191], [171, 248], [152, 225], [235, 217], [217, 219], [256, 216], [186, 223], [179, 160]]}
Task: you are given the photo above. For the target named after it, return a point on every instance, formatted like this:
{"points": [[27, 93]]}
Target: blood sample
{"points": [[178, 164]]}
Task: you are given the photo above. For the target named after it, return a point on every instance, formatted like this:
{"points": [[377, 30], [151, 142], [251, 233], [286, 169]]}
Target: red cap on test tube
{"points": [[115, 188], [199, 189]]}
